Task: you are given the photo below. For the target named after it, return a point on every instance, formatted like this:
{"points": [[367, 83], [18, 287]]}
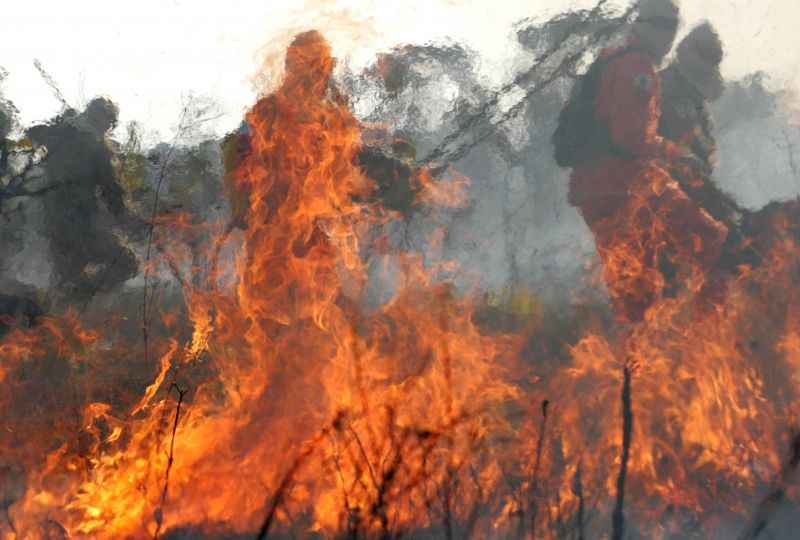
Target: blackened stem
{"points": [[618, 518]]}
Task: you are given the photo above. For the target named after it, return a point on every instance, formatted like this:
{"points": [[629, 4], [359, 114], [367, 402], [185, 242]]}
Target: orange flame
{"points": [[302, 409]]}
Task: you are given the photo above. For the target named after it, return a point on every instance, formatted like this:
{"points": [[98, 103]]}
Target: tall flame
{"points": [[294, 404]]}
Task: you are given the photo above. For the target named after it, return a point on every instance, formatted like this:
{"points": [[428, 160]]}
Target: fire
{"points": [[451, 194], [376, 408], [294, 404]]}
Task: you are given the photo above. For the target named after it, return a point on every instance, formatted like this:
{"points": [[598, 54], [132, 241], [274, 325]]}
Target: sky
{"points": [[151, 56]]}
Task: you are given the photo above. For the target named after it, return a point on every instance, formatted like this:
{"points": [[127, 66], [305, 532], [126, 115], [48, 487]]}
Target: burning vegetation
{"points": [[288, 334]]}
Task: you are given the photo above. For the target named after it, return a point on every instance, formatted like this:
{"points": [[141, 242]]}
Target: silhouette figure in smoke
{"points": [[87, 257], [294, 192], [308, 77], [690, 83], [302, 98], [622, 184], [295, 177]]}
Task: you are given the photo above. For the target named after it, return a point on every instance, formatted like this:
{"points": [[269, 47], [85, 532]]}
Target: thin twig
{"points": [[618, 517], [170, 460], [446, 153], [218, 243], [277, 498], [151, 228], [366, 458], [48, 79], [352, 521], [472, 518], [578, 490], [536, 465], [447, 502], [377, 509], [173, 267]]}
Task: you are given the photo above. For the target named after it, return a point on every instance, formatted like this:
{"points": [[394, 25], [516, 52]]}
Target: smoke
{"points": [[518, 229], [758, 143], [515, 238]]}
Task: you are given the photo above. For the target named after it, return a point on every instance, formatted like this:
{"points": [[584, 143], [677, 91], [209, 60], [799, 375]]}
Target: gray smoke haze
{"points": [[757, 141], [518, 229], [516, 232]]}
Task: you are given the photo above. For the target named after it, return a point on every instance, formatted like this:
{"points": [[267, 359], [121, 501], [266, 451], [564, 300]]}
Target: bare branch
{"points": [[51, 83], [618, 517], [159, 514], [537, 464], [453, 147], [280, 492]]}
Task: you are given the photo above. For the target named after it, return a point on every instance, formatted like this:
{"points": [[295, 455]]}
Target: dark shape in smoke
{"points": [[87, 256], [412, 87], [17, 311], [392, 176], [517, 200], [518, 228]]}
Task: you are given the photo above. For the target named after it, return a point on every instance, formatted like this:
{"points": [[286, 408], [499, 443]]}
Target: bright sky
{"points": [[147, 55]]}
